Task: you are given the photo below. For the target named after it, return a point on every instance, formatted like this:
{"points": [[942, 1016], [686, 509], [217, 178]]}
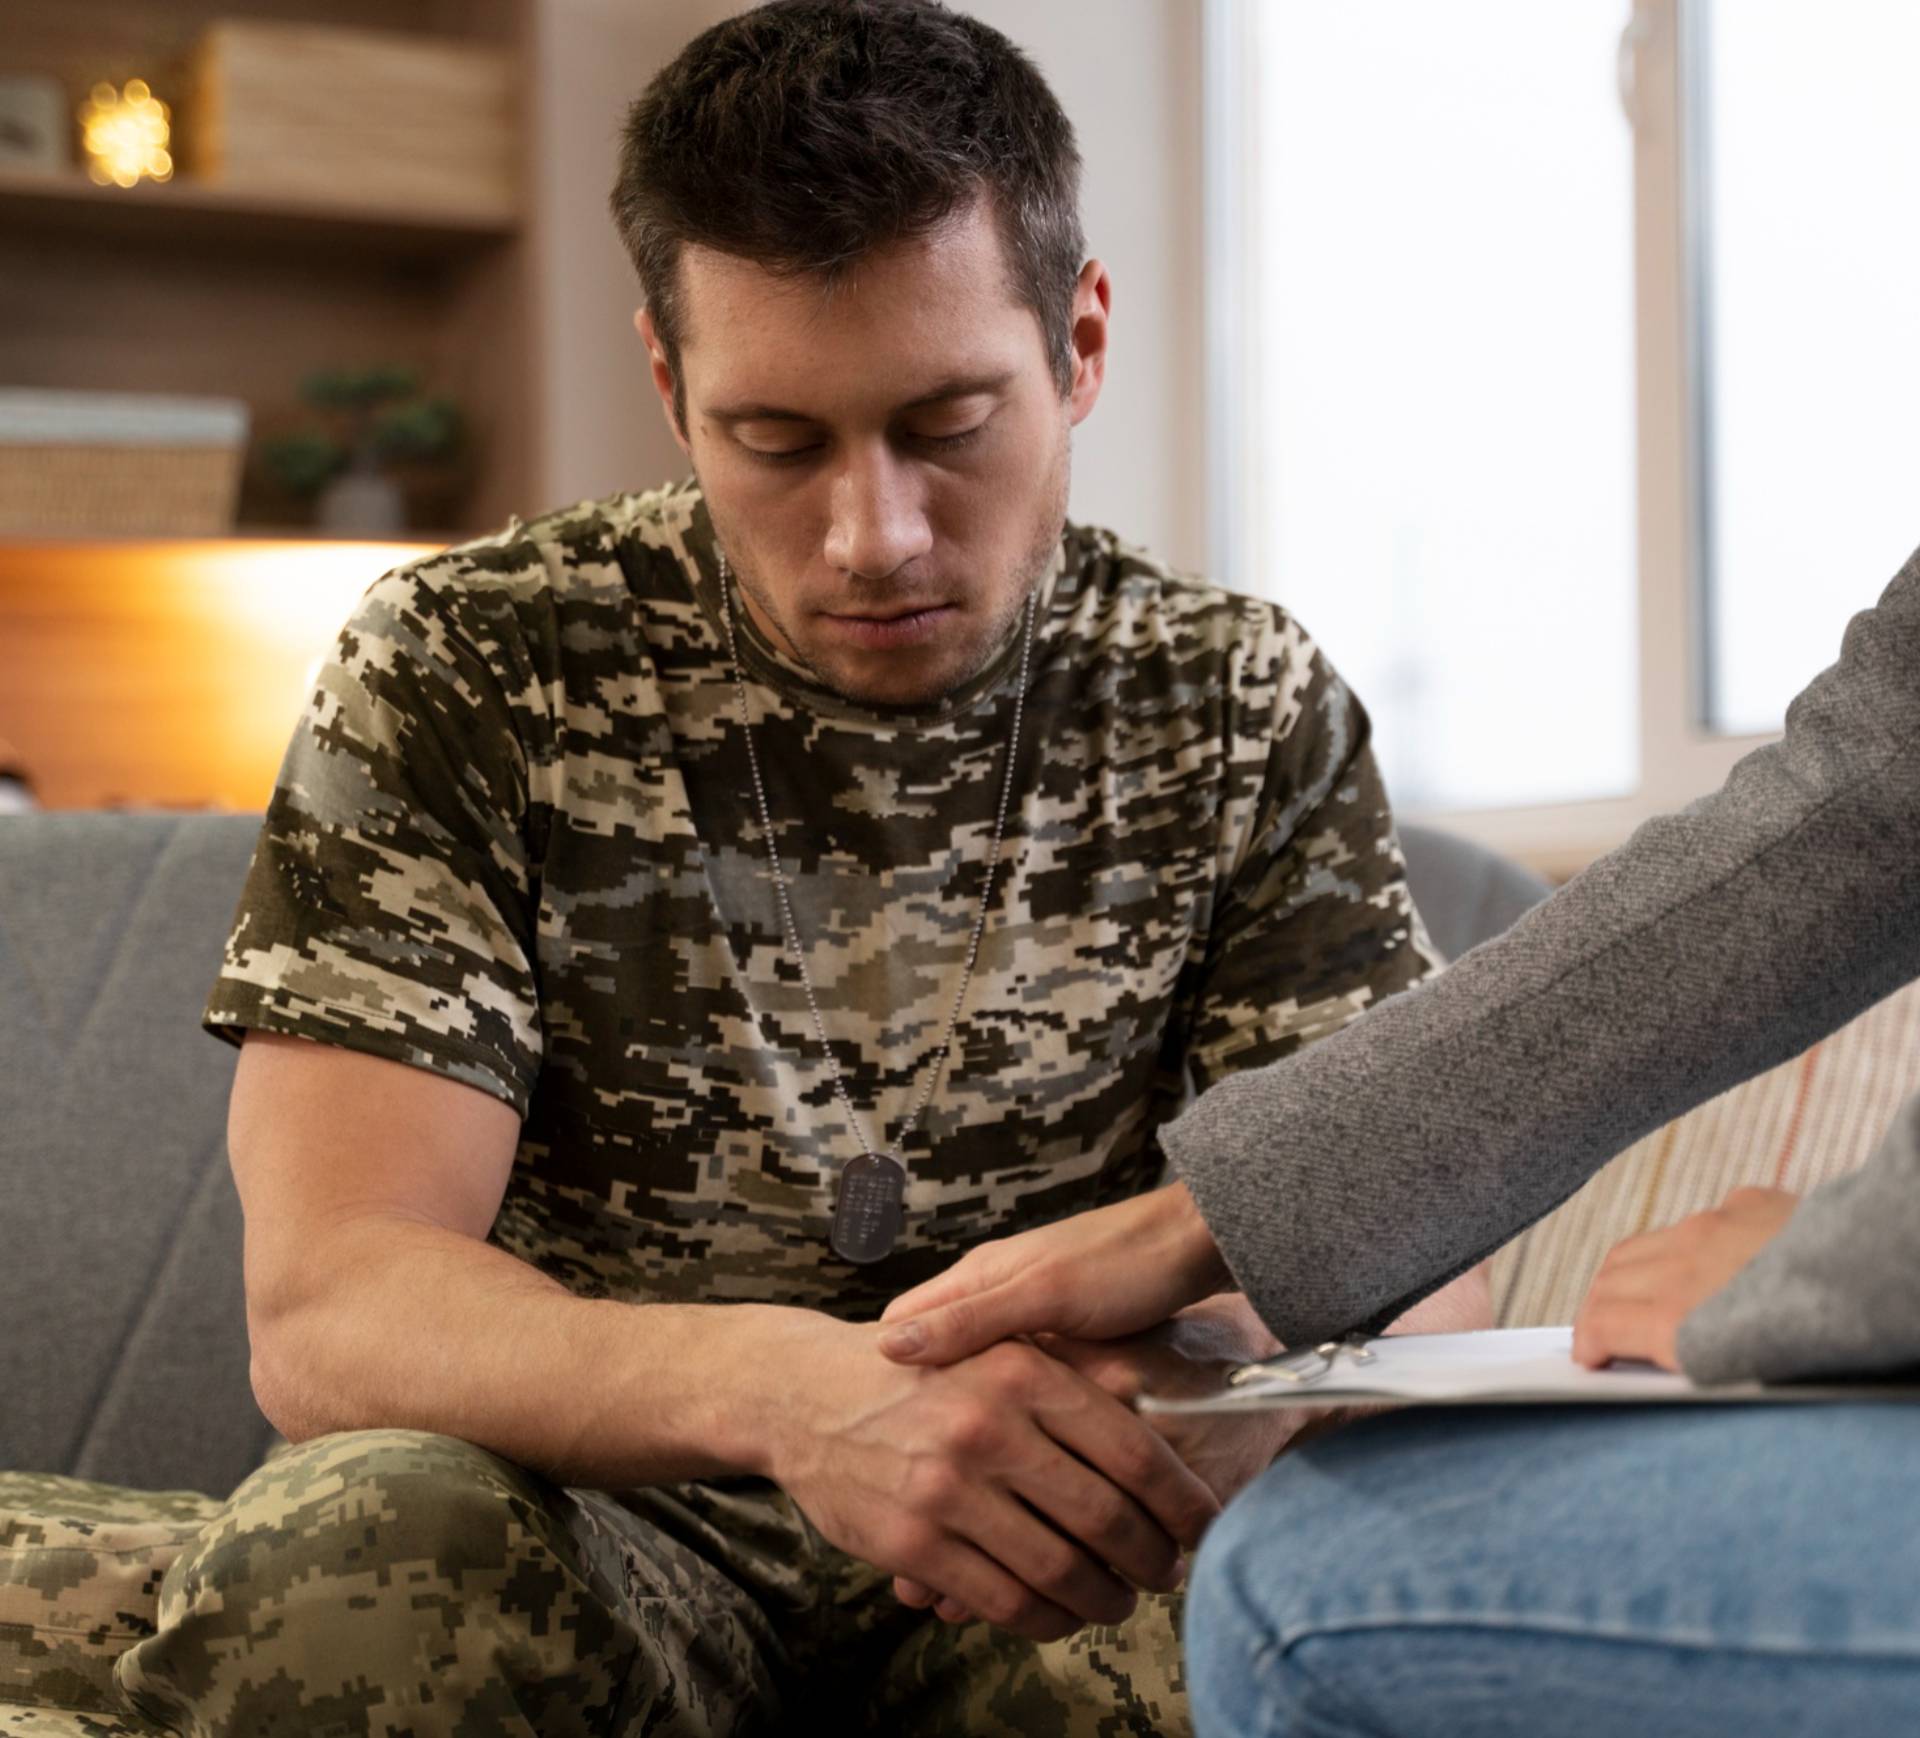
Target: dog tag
{"points": [[870, 1209]]}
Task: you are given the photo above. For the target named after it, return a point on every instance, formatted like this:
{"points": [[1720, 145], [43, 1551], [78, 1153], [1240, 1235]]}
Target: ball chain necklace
{"points": [[870, 1204]]}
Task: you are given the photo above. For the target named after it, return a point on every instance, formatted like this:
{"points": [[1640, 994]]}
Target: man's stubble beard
{"points": [[1034, 563]]}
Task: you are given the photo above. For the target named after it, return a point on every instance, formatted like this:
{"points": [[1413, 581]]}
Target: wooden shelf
{"points": [[188, 210], [171, 669], [242, 537], [307, 534]]}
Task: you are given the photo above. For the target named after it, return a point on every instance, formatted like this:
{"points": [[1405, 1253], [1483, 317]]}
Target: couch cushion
{"points": [[125, 1355], [1818, 1116], [1465, 893], [80, 1572]]}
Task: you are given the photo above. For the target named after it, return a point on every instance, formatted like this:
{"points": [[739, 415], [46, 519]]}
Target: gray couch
{"points": [[123, 1355]]}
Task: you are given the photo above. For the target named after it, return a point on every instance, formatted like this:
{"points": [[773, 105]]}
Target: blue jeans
{"points": [[1567, 1572]]}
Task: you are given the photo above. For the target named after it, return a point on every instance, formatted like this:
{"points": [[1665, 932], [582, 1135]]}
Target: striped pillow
{"points": [[1818, 1116]]}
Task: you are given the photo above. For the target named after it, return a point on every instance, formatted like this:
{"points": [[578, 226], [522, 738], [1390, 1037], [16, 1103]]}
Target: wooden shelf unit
{"points": [[185, 210], [263, 536], [185, 287]]}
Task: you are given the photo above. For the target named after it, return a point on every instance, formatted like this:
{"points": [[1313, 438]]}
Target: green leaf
{"points": [[358, 388], [429, 428], [304, 462]]}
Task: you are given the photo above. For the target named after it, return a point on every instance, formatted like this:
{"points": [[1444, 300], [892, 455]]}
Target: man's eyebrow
{"points": [[957, 386], [962, 386]]}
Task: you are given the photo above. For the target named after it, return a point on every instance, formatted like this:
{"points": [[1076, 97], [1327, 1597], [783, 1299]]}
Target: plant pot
{"points": [[361, 503]]}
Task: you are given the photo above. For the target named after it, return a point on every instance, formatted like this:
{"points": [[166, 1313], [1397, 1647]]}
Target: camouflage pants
{"points": [[396, 1584]]}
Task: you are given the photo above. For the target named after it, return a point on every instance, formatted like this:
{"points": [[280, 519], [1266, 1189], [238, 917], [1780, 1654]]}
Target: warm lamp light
{"points": [[282, 595], [125, 134], [169, 671]]}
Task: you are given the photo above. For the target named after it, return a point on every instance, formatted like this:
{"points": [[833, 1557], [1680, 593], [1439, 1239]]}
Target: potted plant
{"points": [[379, 424]]}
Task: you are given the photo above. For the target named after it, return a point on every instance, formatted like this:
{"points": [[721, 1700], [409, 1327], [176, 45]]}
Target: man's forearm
{"points": [[406, 1324], [419, 1327]]}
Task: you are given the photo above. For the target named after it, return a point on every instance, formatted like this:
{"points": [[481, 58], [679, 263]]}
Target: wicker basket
{"points": [[81, 463]]}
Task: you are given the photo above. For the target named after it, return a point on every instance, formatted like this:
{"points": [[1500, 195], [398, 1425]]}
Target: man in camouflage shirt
{"points": [[587, 1428]]}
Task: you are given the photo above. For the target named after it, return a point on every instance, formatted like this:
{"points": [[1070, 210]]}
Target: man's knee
{"points": [[418, 1564], [359, 1502]]}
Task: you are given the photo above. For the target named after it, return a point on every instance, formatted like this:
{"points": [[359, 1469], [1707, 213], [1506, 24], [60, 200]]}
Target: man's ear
{"points": [[663, 382], [1092, 306]]}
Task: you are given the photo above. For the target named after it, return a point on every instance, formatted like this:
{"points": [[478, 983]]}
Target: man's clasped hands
{"points": [[1010, 1479], [980, 1442]]}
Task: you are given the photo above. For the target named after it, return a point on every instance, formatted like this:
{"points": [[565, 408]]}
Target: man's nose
{"points": [[879, 518]]}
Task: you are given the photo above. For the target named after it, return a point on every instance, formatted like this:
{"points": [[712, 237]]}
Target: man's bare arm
{"points": [[372, 1301]]}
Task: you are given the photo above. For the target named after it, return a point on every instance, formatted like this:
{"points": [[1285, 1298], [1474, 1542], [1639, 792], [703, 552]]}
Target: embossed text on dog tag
{"points": [[870, 1209]]}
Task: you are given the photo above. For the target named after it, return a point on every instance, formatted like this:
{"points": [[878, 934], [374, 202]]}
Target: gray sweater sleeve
{"points": [[1837, 1292], [1345, 1183]]}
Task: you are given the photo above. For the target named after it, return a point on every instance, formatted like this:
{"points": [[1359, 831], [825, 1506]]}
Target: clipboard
{"points": [[1492, 1367]]}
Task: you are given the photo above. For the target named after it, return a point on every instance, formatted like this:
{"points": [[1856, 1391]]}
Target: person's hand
{"points": [[1191, 1354], [1010, 1481], [1098, 1276], [1649, 1285], [1187, 1356]]}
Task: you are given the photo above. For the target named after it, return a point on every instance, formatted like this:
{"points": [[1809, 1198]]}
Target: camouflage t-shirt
{"points": [[514, 842]]}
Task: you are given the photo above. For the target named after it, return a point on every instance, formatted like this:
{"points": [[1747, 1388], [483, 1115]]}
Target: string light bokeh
{"points": [[126, 134]]}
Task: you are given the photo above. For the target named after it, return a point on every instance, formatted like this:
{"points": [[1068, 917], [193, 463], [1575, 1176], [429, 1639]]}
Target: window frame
{"points": [[1679, 756]]}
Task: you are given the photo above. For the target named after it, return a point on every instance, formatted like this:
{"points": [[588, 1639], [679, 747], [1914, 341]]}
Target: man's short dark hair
{"points": [[805, 134]]}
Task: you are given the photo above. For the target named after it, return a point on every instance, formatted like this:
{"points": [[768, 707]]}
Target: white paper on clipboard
{"points": [[1495, 1366]]}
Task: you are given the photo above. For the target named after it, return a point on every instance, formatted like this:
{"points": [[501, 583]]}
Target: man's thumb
{"points": [[942, 1335], [904, 1341]]}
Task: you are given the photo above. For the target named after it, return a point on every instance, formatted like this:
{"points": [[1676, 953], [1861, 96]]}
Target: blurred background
{"points": [[1554, 363]]}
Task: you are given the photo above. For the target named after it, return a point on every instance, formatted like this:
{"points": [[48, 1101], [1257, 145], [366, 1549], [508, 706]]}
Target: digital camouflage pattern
{"points": [[513, 842], [80, 1572], [53, 1722], [396, 1582]]}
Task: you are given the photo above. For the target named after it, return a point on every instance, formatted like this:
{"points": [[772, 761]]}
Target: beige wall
{"points": [[1128, 73], [600, 426]]}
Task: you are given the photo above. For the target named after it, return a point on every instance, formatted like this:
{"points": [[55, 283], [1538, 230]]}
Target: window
{"points": [[1441, 331], [1559, 357], [1809, 166]]}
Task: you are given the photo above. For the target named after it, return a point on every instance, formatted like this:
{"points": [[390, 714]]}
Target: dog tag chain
{"points": [[870, 1203]]}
